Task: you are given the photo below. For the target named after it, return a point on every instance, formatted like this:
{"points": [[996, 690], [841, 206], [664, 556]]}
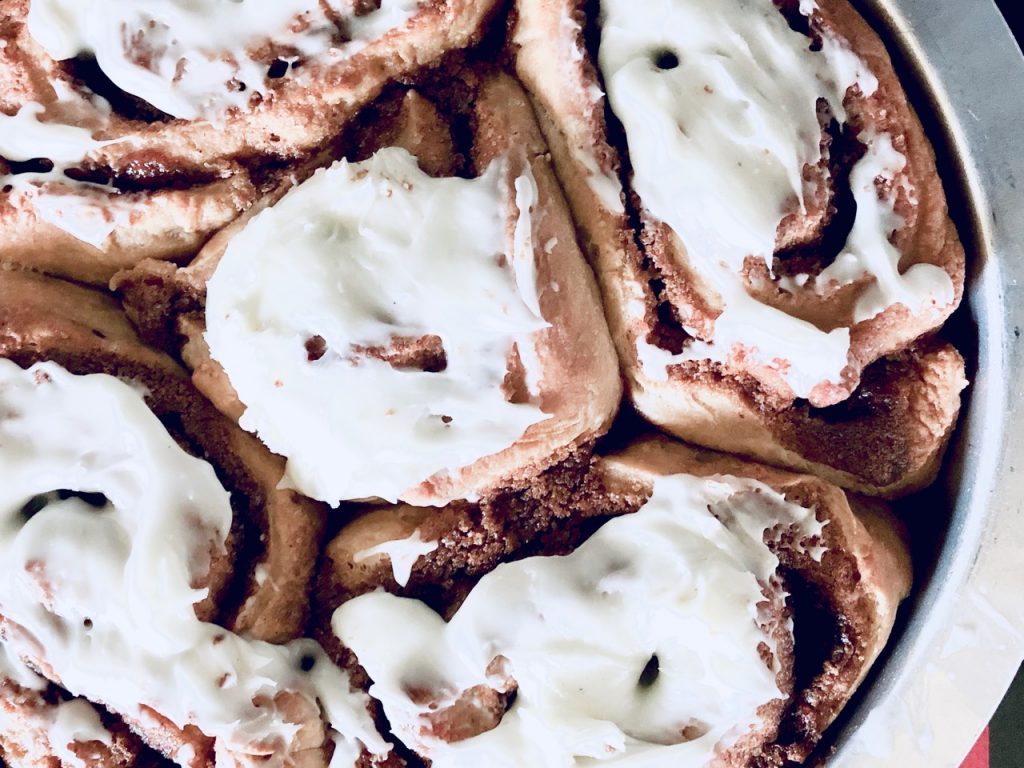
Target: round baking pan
{"points": [[959, 639]]}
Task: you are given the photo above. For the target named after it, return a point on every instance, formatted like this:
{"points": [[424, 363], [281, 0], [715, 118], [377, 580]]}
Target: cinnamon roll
{"points": [[725, 619], [133, 130], [152, 564], [764, 213], [413, 323]]}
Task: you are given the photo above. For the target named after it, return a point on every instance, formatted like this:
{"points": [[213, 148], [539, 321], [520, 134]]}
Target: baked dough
{"points": [[574, 365], [145, 183], [881, 427], [845, 570]]}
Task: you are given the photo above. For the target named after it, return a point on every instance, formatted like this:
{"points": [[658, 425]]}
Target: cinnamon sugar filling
{"points": [[806, 243], [808, 668], [828, 279]]}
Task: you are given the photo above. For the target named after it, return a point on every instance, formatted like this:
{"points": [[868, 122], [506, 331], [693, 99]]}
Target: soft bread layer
{"points": [[299, 113], [283, 726], [435, 553], [860, 580], [847, 581], [171, 224], [574, 365], [86, 332], [738, 273], [903, 440], [621, 648], [887, 441], [186, 178]]}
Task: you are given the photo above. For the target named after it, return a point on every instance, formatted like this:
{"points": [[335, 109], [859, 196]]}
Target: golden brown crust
{"points": [[580, 384], [928, 236], [844, 605], [890, 448], [189, 178], [887, 440], [550, 515]]}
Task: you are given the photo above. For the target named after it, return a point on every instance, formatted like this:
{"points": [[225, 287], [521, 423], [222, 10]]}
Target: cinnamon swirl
{"points": [[724, 621], [139, 577], [134, 130], [415, 322], [763, 209]]}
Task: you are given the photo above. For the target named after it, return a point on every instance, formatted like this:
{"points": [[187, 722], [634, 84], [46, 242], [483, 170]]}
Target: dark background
{"points": [[1013, 10], [1006, 738]]}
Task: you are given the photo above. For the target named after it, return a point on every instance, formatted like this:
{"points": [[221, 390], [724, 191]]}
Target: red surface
{"points": [[979, 755]]}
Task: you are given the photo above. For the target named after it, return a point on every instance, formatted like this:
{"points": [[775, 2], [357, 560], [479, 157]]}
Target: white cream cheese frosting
{"points": [[197, 58], [105, 525], [358, 256], [75, 722], [402, 553], [718, 99], [640, 648]]}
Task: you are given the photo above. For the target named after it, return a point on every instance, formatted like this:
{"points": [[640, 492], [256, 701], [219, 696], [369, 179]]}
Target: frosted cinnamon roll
{"points": [[724, 622], [764, 212], [151, 564], [413, 323], [132, 130]]}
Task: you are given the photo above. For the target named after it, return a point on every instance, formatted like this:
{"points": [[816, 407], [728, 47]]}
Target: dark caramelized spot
{"points": [[35, 505], [152, 170], [92, 498], [86, 70], [40, 501], [365, 7], [145, 170], [668, 333], [35, 165], [277, 69], [666, 60], [790, 10], [650, 672], [101, 176], [316, 347], [425, 353]]}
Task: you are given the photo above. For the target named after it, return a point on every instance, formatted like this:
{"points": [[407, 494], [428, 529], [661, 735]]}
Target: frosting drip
{"points": [[105, 525], [363, 257], [196, 58], [719, 100], [640, 648], [403, 554], [89, 212], [75, 722]]}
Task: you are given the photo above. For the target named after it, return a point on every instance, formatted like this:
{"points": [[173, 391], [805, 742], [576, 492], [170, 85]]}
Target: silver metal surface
{"points": [[960, 638]]}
